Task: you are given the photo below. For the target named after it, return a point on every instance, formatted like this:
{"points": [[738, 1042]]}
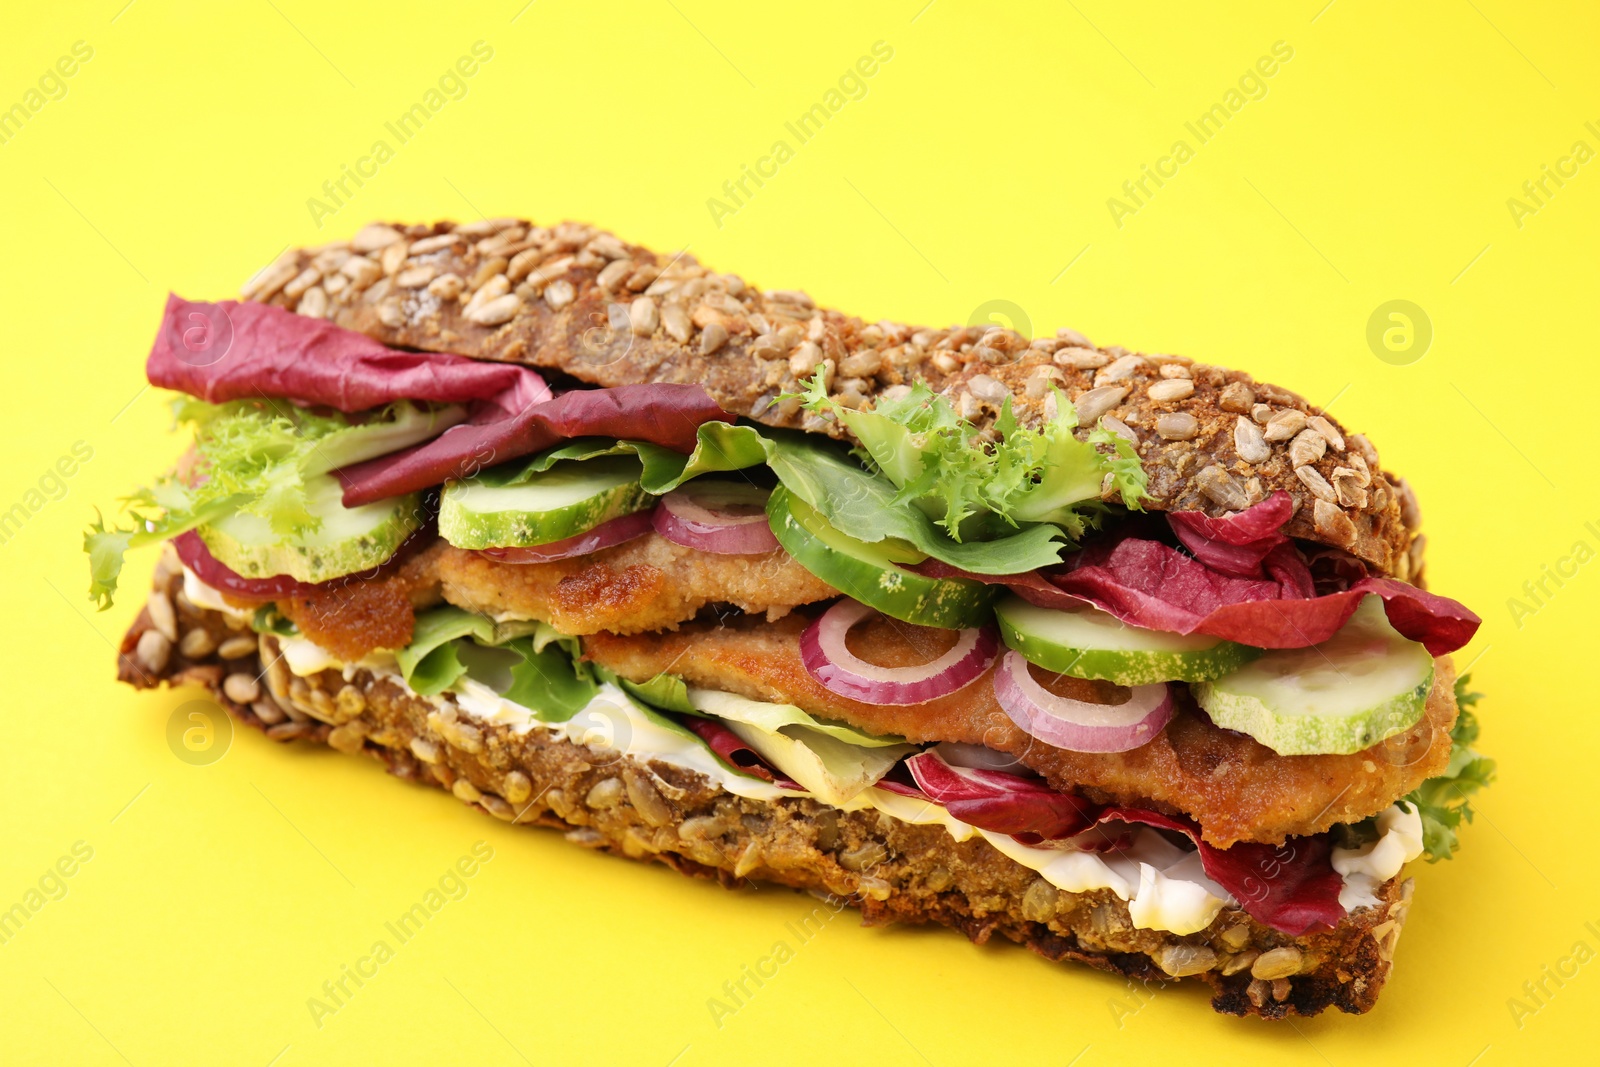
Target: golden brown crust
{"points": [[645, 584], [891, 870], [580, 301], [1235, 787]]}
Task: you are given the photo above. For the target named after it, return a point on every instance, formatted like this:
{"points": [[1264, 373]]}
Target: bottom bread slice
{"points": [[893, 871]]}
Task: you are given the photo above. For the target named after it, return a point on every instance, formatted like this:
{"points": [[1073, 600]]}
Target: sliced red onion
{"points": [[608, 533], [1077, 725], [723, 518], [837, 669]]}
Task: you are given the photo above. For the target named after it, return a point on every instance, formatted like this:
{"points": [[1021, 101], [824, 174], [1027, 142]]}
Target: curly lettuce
{"points": [[253, 456], [977, 483], [1444, 801]]}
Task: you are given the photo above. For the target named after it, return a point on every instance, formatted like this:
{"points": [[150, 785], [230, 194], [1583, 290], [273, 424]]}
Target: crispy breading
{"points": [[646, 584], [1235, 787]]}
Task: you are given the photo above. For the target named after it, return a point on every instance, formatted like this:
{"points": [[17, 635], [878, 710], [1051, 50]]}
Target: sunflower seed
{"points": [[1120, 369], [1081, 358], [1277, 963], [490, 289], [301, 282], [1097, 402], [1315, 482], [238, 647], [1307, 447], [361, 271], [1248, 442], [447, 286], [1179, 959], [1237, 398], [267, 282], [161, 614], [558, 294], [1170, 389], [983, 387], [499, 310], [1221, 488], [614, 274], [241, 688], [608, 245], [1284, 425], [153, 651], [643, 318], [372, 237], [433, 244], [416, 277], [1325, 428], [1074, 337], [712, 337], [1120, 428], [197, 644], [392, 257], [1178, 426], [676, 322]]}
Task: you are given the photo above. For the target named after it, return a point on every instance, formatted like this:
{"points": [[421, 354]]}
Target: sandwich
{"points": [[1120, 656]]}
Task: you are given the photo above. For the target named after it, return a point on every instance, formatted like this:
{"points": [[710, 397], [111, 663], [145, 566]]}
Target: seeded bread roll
{"points": [[578, 300], [891, 870]]}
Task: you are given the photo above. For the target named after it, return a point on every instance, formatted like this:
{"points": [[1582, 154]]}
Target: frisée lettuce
{"points": [[252, 457]]}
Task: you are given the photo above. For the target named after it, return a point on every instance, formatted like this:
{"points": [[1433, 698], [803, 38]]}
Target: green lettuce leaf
{"points": [[549, 681], [1443, 801], [966, 478], [719, 446], [431, 663], [819, 471], [867, 507], [666, 691]]}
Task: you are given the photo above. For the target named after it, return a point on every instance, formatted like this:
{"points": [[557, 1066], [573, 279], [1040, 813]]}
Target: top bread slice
{"points": [[578, 300]]}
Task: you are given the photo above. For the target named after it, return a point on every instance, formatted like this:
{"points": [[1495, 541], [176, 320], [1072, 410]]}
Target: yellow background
{"points": [[977, 167]]}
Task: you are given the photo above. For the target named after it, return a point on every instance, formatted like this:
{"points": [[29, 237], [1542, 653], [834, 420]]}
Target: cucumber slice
{"points": [[348, 539], [1090, 643], [870, 572], [570, 498], [1363, 684]]}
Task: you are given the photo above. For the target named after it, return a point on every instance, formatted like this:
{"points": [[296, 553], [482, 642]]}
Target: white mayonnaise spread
{"points": [[1366, 868]]}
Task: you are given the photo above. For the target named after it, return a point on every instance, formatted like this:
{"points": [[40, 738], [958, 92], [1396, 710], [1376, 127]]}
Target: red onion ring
{"points": [[723, 518], [1078, 725], [837, 669], [608, 533]]}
